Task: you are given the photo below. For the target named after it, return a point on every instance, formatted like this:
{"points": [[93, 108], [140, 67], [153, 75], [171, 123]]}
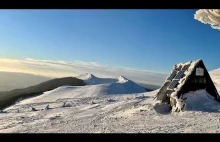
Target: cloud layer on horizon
{"points": [[51, 68], [209, 16]]}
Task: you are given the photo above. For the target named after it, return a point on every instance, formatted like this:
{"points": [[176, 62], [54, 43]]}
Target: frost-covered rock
{"points": [[162, 108], [47, 107], [67, 104], [33, 109], [93, 102], [111, 100], [141, 97]]}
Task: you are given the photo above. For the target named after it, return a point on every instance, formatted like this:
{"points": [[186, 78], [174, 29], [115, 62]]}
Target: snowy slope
{"points": [[215, 72], [123, 114], [122, 86], [215, 75], [90, 111]]}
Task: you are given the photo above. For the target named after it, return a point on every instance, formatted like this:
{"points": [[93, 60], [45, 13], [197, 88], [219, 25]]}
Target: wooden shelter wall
{"points": [[199, 82]]}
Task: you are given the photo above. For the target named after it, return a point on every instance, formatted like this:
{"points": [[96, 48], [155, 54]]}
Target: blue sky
{"points": [[138, 39]]}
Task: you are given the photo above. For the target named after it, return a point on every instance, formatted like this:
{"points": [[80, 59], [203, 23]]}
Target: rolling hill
{"points": [[9, 97]]}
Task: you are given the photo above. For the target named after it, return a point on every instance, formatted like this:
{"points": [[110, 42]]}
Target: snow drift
{"points": [[200, 101]]}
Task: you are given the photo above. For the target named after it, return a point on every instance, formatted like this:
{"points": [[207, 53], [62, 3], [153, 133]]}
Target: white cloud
{"points": [[209, 16], [53, 68]]}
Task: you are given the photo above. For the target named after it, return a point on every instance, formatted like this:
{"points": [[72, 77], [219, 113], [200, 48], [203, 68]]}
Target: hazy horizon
{"points": [[142, 45]]}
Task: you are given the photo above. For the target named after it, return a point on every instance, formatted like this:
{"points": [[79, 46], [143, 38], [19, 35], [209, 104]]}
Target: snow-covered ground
{"points": [[215, 75], [109, 106]]}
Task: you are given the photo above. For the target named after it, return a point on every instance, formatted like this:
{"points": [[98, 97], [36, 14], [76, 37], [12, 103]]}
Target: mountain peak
{"points": [[86, 76], [89, 75], [122, 79]]}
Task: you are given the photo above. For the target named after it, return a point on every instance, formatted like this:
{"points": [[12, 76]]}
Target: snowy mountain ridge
{"points": [[95, 87], [108, 105], [91, 79]]}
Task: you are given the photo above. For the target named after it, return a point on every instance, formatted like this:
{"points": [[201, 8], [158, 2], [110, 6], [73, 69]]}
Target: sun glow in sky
{"points": [[142, 44]]}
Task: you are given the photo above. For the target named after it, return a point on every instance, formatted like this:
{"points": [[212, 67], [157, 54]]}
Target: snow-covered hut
{"points": [[186, 77]]}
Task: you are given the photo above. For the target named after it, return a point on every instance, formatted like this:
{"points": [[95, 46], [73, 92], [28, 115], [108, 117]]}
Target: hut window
{"points": [[201, 80]]}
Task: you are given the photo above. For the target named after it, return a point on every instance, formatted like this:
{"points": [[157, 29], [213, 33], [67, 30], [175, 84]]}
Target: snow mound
{"points": [[200, 101], [162, 108], [90, 79]]}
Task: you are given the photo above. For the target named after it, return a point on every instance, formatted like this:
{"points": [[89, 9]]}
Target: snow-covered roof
{"points": [[188, 68]]}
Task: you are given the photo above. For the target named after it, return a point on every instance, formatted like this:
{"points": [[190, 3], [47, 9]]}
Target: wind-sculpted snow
{"points": [[201, 101], [95, 109], [126, 114]]}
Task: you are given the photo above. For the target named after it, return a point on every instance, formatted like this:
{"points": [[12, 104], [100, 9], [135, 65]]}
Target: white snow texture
{"points": [[108, 105]]}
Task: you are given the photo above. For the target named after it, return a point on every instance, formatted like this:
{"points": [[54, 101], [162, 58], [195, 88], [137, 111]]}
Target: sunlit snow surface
{"points": [[114, 106]]}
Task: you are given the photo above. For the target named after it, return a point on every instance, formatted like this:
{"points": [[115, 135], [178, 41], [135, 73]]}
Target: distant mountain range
{"points": [[13, 80], [31, 85]]}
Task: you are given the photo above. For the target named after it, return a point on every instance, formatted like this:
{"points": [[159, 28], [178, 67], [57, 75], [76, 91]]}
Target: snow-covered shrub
{"points": [[67, 104]]}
